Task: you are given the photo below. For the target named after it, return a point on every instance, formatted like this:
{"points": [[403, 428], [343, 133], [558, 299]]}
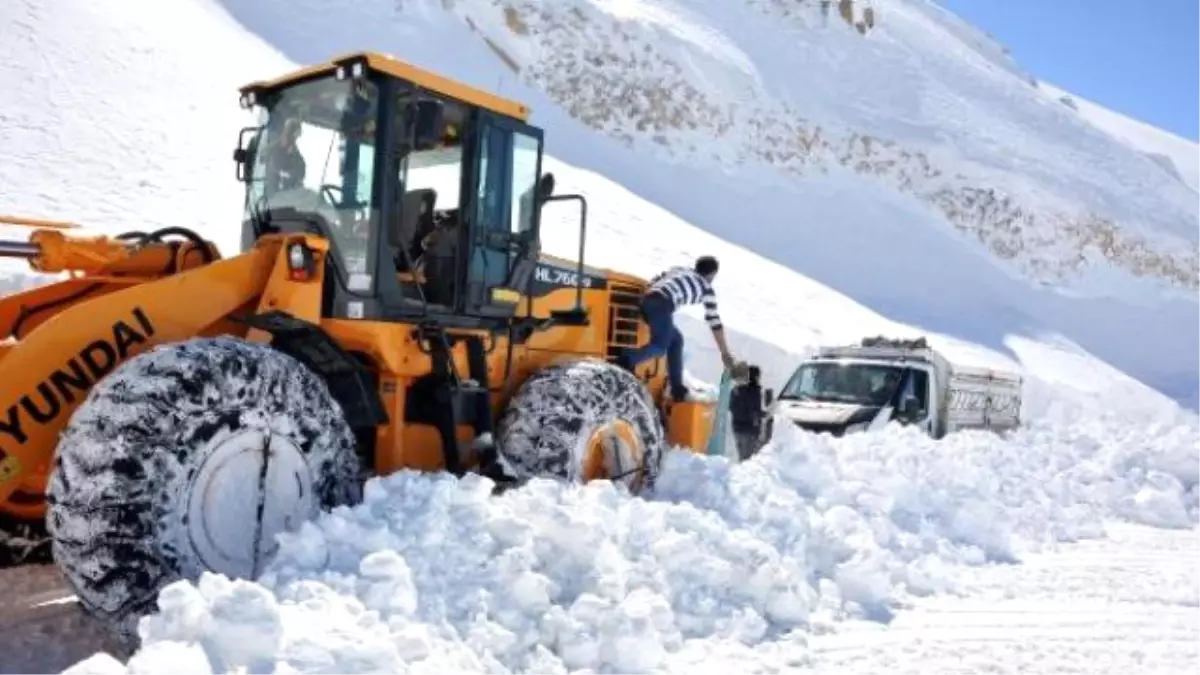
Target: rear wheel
{"points": [[187, 458], [581, 420]]}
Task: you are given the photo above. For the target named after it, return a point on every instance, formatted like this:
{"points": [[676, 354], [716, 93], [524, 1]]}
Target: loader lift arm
{"points": [[123, 297]]}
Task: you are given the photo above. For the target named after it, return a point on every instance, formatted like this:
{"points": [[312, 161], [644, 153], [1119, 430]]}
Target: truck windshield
{"points": [[314, 154], [833, 381]]}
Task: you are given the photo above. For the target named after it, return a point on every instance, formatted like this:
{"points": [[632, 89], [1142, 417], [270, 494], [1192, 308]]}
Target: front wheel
{"points": [[191, 457], [581, 420]]}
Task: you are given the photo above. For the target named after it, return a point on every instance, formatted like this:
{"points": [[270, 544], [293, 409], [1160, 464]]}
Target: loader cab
{"points": [[428, 191]]}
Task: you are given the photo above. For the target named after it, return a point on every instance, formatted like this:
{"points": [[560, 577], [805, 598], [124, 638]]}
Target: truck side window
{"points": [[917, 387]]}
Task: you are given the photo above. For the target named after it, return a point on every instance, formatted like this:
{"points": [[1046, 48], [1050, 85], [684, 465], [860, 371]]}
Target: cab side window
{"points": [[916, 386]]}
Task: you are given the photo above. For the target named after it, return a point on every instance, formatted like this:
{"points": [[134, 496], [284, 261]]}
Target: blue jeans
{"points": [[664, 338]]}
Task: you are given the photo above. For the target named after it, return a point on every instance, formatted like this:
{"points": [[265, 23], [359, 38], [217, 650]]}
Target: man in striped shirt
{"points": [[670, 290]]}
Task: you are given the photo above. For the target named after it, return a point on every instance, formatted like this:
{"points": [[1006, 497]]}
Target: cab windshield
{"points": [[838, 382], [315, 154]]}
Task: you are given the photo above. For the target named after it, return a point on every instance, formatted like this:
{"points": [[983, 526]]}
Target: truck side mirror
{"points": [[768, 397], [909, 408]]}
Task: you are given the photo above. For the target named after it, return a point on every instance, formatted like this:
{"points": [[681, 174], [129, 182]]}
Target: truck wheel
{"points": [[581, 420], [191, 457]]}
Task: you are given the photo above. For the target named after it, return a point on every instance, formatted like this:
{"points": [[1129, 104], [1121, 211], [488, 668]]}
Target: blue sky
{"points": [[1137, 57]]}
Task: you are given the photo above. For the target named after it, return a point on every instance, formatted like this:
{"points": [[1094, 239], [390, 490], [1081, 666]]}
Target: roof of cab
{"points": [[390, 65]]}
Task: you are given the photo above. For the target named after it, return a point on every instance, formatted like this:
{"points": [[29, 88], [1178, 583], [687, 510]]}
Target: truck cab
{"points": [[854, 388]]}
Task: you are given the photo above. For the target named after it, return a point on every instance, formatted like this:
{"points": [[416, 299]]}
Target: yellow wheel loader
{"points": [[165, 410]]}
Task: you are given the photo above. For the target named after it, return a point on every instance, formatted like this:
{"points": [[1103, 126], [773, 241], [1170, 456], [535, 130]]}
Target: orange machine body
{"points": [[59, 339]]}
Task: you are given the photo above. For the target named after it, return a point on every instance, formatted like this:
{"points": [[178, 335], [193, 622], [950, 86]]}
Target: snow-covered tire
{"points": [[158, 473], [550, 428]]}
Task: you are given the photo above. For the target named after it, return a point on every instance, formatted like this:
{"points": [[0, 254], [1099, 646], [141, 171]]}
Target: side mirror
{"points": [[909, 408], [545, 188], [243, 154], [768, 397]]}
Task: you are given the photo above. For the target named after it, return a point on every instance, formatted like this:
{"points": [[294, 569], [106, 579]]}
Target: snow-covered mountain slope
{"points": [[911, 103], [1179, 157], [904, 150], [908, 168], [126, 118], [98, 143]]}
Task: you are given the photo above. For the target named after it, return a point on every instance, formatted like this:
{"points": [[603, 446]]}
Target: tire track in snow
{"points": [[1127, 604]]}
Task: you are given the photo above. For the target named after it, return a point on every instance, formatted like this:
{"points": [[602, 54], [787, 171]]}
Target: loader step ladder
{"points": [[626, 314]]}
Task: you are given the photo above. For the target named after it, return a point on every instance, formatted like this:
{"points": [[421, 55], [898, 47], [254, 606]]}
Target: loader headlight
{"points": [[296, 256], [300, 262], [355, 70]]}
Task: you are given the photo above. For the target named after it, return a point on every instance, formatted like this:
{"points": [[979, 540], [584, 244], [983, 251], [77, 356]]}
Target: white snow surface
{"points": [[1179, 157], [1126, 604], [724, 564], [127, 114]]}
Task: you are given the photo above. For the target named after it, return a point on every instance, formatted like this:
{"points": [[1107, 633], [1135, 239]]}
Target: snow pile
{"points": [[432, 573]]}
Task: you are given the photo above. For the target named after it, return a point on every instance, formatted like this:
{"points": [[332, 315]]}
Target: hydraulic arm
{"points": [[122, 296]]}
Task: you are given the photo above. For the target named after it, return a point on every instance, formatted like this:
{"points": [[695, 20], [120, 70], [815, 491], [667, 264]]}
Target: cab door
{"points": [[504, 214]]}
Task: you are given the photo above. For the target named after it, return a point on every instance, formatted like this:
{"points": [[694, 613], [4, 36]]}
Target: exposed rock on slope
{"points": [[654, 75]]}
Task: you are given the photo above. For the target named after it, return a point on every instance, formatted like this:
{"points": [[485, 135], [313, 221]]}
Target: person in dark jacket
{"points": [[746, 409], [286, 166]]}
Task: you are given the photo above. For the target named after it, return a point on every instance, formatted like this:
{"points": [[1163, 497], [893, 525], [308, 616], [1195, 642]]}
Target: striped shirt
{"points": [[684, 286]]}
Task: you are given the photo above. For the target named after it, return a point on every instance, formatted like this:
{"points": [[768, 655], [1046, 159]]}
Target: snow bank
{"points": [[434, 573], [724, 562]]}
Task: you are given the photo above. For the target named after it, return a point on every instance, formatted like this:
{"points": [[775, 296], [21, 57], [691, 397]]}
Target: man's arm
{"points": [[726, 357], [718, 330]]}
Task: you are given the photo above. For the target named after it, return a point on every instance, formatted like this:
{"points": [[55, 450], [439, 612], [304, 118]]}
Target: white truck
{"points": [[842, 390]]}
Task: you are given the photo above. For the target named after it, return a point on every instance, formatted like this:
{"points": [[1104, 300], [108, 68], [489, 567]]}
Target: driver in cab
{"points": [[285, 164]]}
